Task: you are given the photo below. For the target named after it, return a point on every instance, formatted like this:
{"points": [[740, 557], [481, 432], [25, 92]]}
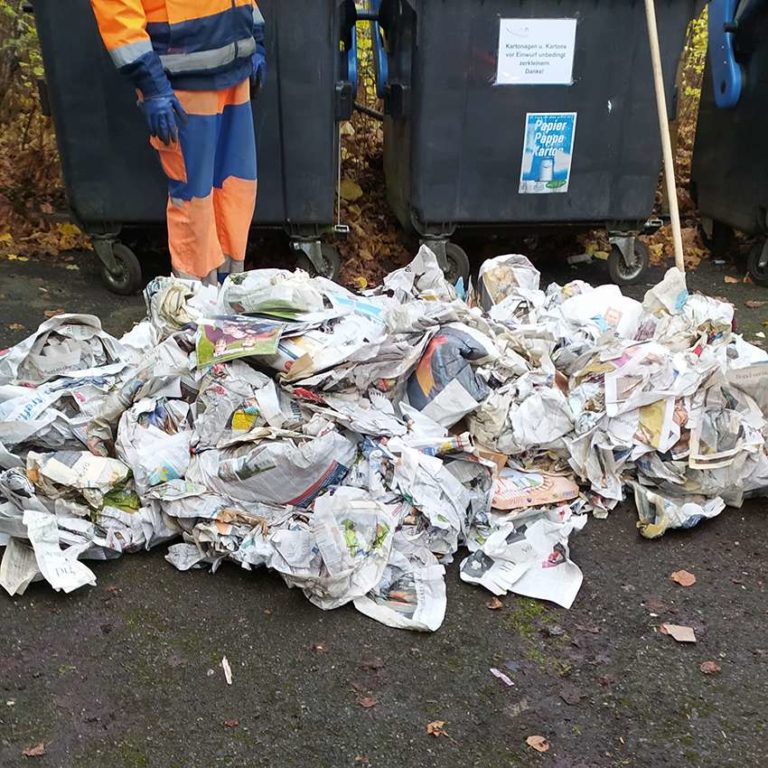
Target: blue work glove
{"points": [[258, 60], [163, 114], [162, 110], [258, 69]]}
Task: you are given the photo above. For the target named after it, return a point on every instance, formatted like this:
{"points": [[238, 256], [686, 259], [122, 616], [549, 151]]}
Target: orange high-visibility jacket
{"points": [[200, 44]]}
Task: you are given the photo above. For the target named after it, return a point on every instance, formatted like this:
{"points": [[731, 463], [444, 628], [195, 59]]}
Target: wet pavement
{"points": [[128, 673]]}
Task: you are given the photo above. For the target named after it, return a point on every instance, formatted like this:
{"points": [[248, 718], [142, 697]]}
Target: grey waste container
{"points": [[522, 113], [112, 176], [729, 170]]}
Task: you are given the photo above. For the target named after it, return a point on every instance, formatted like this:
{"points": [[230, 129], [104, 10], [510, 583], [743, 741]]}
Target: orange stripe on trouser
{"points": [[211, 182]]}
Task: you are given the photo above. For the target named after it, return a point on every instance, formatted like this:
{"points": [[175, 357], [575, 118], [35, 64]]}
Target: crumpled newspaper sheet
{"points": [[353, 443]]}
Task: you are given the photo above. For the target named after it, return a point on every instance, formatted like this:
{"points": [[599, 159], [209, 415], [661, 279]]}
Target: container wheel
{"points": [[127, 279], [457, 263], [627, 274], [720, 241], [757, 262], [331, 265]]}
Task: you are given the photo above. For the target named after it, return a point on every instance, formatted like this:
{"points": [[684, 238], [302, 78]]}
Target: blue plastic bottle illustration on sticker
{"points": [[547, 152]]}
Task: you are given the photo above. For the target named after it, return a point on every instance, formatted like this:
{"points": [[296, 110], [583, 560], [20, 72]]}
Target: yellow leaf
{"points": [[6, 238], [68, 230], [731, 280], [350, 190]]}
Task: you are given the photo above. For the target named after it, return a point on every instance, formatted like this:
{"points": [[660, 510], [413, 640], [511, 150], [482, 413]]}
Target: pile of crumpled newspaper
{"points": [[353, 443]]}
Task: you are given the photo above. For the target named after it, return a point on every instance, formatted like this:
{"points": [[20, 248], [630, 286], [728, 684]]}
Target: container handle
{"points": [[727, 75]]}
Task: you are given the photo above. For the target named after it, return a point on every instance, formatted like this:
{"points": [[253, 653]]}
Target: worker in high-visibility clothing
{"points": [[195, 64]]}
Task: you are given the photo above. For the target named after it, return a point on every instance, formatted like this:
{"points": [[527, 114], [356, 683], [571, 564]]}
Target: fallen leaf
{"points": [[683, 578], [494, 604], [539, 743], [570, 694], [319, 647], [731, 280], [367, 702], [709, 667], [679, 632], [15, 327], [227, 670], [375, 663], [435, 728], [72, 267], [655, 605], [231, 722], [37, 750], [362, 759], [350, 190], [497, 673], [54, 312], [754, 304]]}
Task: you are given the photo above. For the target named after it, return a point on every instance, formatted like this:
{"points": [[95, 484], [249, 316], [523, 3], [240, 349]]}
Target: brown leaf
{"points": [[679, 632], [494, 604], [539, 743], [656, 605], [319, 647], [54, 312], [570, 694], [709, 667], [374, 663], [231, 722], [15, 327], [754, 304], [683, 578], [36, 750], [435, 728], [731, 280], [367, 702]]}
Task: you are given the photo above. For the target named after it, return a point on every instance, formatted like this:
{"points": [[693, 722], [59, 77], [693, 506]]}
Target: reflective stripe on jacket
{"points": [[193, 39]]}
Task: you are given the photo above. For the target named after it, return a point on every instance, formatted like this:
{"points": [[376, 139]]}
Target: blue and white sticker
{"points": [[547, 152]]}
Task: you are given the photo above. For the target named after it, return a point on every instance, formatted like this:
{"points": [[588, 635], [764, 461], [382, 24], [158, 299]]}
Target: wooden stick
{"points": [[666, 143]]}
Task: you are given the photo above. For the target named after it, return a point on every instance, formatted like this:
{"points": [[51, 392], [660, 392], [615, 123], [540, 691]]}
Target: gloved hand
{"points": [[163, 114], [258, 69], [162, 110]]}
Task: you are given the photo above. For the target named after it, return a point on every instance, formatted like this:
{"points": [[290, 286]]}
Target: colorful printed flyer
{"points": [[547, 152]]}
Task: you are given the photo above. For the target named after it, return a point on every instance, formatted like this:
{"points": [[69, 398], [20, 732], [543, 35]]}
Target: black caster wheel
{"points": [[127, 279], [757, 262], [457, 263], [331, 265], [627, 274]]}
